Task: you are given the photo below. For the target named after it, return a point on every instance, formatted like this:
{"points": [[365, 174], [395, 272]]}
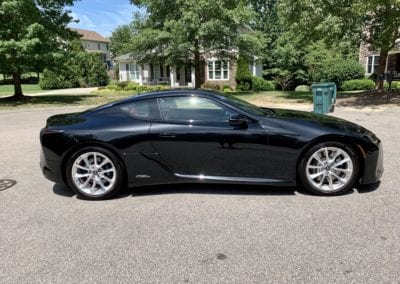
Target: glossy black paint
{"points": [[265, 149]]}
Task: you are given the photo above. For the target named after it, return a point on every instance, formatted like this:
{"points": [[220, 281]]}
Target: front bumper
{"points": [[51, 169], [373, 166]]}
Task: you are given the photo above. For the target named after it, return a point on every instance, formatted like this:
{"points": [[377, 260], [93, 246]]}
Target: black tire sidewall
{"points": [[119, 172], [303, 175]]}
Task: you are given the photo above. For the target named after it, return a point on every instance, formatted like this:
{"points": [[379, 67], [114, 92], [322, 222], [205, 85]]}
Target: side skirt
{"points": [[235, 179]]}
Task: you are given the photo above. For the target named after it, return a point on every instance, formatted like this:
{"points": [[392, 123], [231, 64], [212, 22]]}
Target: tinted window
{"points": [[143, 109], [193, 109]]}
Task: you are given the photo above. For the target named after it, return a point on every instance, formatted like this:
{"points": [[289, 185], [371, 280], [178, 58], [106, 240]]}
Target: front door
{"points": [[196, 139]]}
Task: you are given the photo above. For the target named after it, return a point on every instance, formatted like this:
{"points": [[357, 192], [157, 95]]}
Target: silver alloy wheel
{"points": [[94, 174], [329, 169]]}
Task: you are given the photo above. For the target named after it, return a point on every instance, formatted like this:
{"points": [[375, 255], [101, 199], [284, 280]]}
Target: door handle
{"points": [[167, 135]]}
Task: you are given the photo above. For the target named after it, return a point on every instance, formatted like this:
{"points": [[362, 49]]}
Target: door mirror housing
{"points": [[238, 121]]}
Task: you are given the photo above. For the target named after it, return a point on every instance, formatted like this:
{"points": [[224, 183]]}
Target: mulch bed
{"points": [[368, 99]]}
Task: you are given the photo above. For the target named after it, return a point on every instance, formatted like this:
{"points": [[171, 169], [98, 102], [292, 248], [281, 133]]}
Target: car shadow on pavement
{"points": [[217, 189]]}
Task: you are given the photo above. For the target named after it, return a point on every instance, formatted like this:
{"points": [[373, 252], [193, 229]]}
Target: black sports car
{"points": [[201, 136]]}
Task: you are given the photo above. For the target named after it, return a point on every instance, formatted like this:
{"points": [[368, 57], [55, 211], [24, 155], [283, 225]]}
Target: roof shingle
{"points": [[91, 35]]}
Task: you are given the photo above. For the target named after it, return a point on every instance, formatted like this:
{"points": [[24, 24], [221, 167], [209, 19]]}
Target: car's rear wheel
{"points": [[329, 169], [94, 173]]}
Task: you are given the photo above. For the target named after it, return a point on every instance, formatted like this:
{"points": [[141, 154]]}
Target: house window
{"points": [[98, 46], [218, 70], [372, 64], [134, 72]]}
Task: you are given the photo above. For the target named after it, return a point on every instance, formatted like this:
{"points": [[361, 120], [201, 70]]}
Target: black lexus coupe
{"points": [[191, 136]]}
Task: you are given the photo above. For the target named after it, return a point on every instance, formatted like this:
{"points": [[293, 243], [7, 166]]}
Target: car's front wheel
{"points": [[329, 169], [94, 173]]}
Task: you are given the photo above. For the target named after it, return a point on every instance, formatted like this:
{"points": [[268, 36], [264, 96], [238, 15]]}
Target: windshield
{"points": [[248, 107]]}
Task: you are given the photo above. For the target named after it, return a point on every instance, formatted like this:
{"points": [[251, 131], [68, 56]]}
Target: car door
{"points": [[196, 139]]}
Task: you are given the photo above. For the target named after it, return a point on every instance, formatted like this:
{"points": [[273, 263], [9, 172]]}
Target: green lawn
{"points": [[99, 98], [8, 90]]}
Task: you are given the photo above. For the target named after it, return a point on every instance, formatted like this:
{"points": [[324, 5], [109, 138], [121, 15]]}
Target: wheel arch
{"points": [[105, 146], [342, 139]]}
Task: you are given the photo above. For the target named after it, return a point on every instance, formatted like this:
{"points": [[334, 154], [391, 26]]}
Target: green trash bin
{"points": [[324, 97]]}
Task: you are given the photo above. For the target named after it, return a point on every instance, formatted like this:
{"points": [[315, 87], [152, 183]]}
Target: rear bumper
{"points": [[373, 166]]}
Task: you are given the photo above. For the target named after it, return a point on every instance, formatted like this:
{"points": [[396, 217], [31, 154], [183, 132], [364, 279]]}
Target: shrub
{"points": [[243, 75], [131, 87], [395, 85], [52, 80], [339, 71], [358, 85], [75, 69], [302, 88], [259, 84], [211, 86]]}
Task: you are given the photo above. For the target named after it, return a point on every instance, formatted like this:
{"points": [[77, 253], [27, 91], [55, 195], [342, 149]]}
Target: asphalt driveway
{"points": [[195, 234]]}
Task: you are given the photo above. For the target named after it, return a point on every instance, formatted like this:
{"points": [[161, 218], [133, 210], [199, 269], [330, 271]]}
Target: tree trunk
{"points": [[197, 67], [381, 69], [38, 76], [17, 85]]}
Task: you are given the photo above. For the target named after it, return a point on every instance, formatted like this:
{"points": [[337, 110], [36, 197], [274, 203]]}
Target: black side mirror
{"points": [[238, 121]]}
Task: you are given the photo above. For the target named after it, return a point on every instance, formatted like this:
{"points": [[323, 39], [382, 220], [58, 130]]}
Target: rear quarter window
{"points": [[143, 109]]}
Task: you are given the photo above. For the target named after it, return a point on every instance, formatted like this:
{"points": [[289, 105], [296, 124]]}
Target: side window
{"points": [[143, 109], [190, 109]]}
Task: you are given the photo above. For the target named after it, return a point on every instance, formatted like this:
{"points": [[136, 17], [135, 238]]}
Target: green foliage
{"points": [[30, 34], [75, 69], [121, 39], [243, 75], [374, 22], [210, 85], [135, 87], [259, 84], [395, 85], [179, 31], [358, 85], [302, 88], [339, 71]]}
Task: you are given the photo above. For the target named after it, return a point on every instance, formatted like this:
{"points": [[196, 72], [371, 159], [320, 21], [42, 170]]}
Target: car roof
{"points": [[175, 92]]}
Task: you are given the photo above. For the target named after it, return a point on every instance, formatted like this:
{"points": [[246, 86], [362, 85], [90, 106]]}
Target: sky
{"points": [[102, 16]]}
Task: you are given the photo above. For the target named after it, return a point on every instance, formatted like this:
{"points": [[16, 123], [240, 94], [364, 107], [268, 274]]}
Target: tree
{"points": [[73, 68], [31, 30], [182, 31], [121, 39], [375, 22]]}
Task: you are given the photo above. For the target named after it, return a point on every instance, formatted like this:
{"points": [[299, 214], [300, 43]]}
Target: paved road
{"points": [[195, 234]]}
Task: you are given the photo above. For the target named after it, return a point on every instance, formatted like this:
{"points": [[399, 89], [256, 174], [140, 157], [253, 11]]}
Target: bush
{"points": [[259, 84], [132, 87], [51, 80], [358, 85], [302, 88], [339, 71], [243, 75], [75, 69], [395, 85], [211, 86]]}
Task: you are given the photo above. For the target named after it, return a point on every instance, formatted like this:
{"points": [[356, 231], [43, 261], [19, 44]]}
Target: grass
{"points": [[277, 97], [8, 90], [106, 96]]}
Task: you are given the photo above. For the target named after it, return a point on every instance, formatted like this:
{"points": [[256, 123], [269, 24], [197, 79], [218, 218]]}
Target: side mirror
{"points": [[238, 121]]}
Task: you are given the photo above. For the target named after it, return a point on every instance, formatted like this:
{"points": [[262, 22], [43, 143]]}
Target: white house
{"points": [[213, 70], [92, 41]]}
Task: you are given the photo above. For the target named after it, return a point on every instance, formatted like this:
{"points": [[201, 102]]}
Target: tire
{"points": [[334, 175], [94, 180]]}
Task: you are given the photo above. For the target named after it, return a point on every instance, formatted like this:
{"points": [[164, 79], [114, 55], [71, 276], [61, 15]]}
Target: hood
{"points": [[317, 121]]}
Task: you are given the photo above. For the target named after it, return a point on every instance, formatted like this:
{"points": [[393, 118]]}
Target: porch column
{"points": [[172, 75], [193, 84]]}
